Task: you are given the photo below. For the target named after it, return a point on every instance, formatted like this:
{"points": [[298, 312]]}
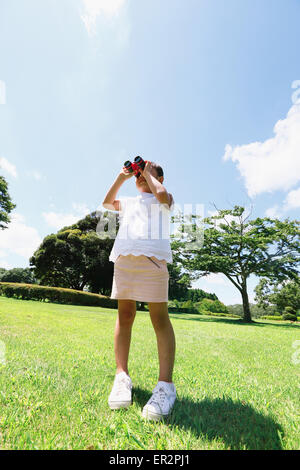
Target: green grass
{"points": [[237, 385]]}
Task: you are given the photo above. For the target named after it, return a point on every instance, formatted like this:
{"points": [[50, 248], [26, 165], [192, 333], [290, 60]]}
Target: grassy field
{"points": [[237, 385]]}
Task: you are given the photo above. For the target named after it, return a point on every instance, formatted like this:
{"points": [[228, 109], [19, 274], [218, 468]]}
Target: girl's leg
{"points": [[126, 316], [165, 339]]}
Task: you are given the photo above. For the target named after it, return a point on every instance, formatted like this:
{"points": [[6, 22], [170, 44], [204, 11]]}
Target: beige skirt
{"points": [[141, 278]]}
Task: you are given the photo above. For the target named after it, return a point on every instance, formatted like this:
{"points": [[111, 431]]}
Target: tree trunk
{"points": [[246, 306]]}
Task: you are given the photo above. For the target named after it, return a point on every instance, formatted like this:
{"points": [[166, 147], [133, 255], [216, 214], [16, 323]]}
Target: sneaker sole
{"points": [[119, 404], [153, 416]]}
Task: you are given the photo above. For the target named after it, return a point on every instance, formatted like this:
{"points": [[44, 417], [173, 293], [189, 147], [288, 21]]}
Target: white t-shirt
{"points": [[144, 228]]}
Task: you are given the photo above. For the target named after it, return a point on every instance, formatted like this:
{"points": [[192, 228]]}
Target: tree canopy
{"points": [[75, 257], [238, 249], [279, 294], [6, 204], [17, 275]]}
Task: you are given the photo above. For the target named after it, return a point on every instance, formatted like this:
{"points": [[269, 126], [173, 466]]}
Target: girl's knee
{"points": [[126, 315], [160, 321]]}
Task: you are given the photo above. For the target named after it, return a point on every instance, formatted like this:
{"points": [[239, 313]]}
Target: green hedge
{"points": [[203, 312], [272, 317], [183, 310], [289, 316], [276, 318], [55, 294], [220, 314]]}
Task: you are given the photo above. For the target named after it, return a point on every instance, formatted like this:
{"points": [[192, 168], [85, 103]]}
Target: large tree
{"points": [[237, 249], [6, 204], [2, 272], [75, 257]]}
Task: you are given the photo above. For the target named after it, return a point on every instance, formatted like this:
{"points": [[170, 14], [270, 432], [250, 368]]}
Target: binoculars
{"points": [[135, 167]]}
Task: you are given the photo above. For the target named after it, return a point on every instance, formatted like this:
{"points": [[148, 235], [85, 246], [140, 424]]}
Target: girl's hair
{"points": [[160, 171]]}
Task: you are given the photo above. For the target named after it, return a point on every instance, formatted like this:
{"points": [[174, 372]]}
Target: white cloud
{"points": [[19, 238], [292, 201], [81, 209], [229, 218], [273, 212], [273, 164], [4, 264], [95, 8], [58, 220], [215, 279], [8, 167]]}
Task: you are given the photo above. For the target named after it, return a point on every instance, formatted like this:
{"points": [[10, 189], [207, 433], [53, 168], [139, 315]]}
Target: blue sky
{"points": [[203, 87]]}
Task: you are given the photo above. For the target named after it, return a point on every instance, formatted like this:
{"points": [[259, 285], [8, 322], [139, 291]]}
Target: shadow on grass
{"points": [[231, 321], [236, 423]]}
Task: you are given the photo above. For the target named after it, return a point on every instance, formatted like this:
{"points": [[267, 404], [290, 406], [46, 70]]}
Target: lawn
{"points": [[237, 384]]}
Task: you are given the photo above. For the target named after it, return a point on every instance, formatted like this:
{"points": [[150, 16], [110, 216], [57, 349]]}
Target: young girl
{"points": [[140, 253]]}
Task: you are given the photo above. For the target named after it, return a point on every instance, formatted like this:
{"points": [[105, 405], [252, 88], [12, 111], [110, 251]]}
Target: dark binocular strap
{"points": [[153, 262]]}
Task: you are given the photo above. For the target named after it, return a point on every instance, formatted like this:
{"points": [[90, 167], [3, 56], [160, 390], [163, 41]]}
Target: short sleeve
{"points": [[172, 204], [124, 202]]}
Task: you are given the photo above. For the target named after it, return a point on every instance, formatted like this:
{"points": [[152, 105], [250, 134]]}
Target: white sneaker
{"points": [[161, 403], [121, 393]]}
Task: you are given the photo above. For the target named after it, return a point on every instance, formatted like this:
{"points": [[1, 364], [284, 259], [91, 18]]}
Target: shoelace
{"points": [[158, 397]]}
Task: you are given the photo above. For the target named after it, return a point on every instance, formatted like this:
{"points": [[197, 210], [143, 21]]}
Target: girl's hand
{"points": [[125, 173], [147, 169]]}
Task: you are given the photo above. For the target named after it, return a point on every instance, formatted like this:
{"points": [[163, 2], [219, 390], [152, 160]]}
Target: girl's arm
{"points": [[156, 186], [110, 201]]}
